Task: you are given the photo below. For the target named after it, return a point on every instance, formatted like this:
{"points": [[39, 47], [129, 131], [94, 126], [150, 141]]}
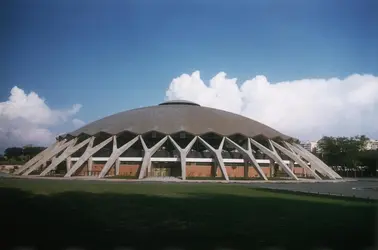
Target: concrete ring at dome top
{"points": [[176, 116], [179, 102]]}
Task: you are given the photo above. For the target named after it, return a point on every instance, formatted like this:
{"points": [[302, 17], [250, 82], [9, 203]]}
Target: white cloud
{"points": [[26, 119], [307, 108], [78, 123]]}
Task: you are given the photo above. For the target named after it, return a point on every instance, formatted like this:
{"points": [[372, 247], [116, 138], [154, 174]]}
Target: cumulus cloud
{"points": [[27, 119], [306, 108], [78, 123]]}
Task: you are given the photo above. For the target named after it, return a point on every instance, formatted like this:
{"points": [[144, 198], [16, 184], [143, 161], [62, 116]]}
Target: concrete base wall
{"points": [[82, 170], [232, 171], [191, 170], [199, 171], [124, 169], [299, 171], [128, 169]]}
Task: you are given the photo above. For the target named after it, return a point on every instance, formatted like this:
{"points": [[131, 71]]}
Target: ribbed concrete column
{"points": [[183, 153], [48, 156], [272, 168], [295, 158], [117, 164], [88, 153], [90, 166], [291, 165], [68, 152], [68, 163], [245, 169], [38, 157], [249, 155], [148, 152], [274, 156], [115, 155], [149, 168], [217, 155]]}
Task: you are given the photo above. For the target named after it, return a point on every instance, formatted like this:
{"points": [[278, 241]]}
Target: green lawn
{"points": [[92, 214]]}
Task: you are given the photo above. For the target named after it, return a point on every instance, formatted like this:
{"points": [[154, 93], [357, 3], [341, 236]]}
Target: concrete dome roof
{"points": [[176, 116]]}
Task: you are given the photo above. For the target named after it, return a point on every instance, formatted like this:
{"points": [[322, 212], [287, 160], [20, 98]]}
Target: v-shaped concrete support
{"points": [[274, 156], [295, 158], [115, 155], [217, 155], [148, 152], [38, 157], [67, 153], [248, 154], [48, 156], [87, 154], [183, 153]]}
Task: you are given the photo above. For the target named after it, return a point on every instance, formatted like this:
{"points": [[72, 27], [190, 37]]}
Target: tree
{"points": [[30, 151], [329, 150], [351, 148], [21, 154], [342, 151], [13, 153], [369, 158]]}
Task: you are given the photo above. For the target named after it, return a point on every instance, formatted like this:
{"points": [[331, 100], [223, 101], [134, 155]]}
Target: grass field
{"points": [[50, 214]]}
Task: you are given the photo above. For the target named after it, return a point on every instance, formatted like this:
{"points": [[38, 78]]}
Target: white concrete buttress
{"points": [[48, 156], [37, 157], [314, 165], [88, 153], [295, 158], [67, 153], [336, 175], [54, 158], [274, 156], [148, 152], [321, 166], [217, 155], [183, 153], [115, 155], [248, 154]]}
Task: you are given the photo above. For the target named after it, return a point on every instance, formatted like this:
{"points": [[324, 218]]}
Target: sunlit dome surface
{"points": [[174, 116]]}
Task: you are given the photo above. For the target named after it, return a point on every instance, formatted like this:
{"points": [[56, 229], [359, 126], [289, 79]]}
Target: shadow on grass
{"points": [[317, 194], [197, 221]]}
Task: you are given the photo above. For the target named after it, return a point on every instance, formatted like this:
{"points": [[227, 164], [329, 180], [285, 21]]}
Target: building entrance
{"points": [[161, 172], [163, 169]]}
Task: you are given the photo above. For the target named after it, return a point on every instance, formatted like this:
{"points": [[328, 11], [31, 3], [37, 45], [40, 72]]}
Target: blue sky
{"points": [[111, 56]]}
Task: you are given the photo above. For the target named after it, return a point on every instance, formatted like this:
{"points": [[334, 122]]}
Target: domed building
{"points": [[180, 139]]}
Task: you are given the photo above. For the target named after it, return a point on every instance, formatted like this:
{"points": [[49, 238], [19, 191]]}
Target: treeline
{"points": [[17, 155], [348, 154]]}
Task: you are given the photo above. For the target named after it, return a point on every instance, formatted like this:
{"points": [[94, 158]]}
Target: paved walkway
{"points": [[361, 188], [356, 188]]}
